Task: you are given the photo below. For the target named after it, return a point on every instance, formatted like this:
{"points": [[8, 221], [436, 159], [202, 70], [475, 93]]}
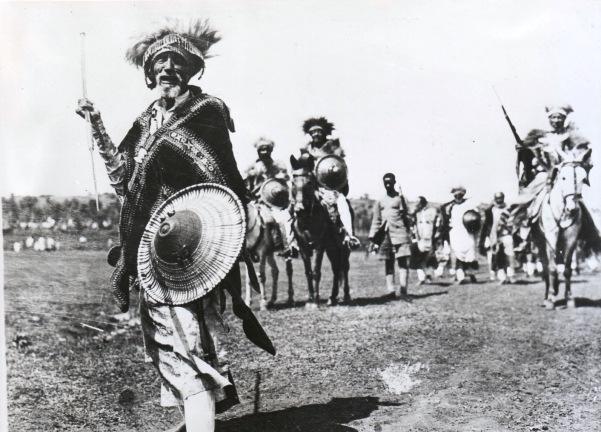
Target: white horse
{"points": [[559, 225]]}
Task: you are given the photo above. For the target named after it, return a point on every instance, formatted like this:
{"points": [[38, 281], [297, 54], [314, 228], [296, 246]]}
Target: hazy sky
{"points": [[408, 84]]}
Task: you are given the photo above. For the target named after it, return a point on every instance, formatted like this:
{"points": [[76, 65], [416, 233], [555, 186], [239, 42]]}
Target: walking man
{"points": [[390, 233], [496, 241]]}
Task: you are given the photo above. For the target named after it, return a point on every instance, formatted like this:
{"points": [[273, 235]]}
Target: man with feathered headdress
{"points": [[180, 140], [320, 129]]}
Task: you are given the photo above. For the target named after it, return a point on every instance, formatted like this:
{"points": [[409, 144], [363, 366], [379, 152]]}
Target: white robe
{"points": [[463, 244]]}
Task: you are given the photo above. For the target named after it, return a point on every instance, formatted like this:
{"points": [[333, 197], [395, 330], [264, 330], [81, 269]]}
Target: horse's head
{"points": [[571, 176], [303, 183]]}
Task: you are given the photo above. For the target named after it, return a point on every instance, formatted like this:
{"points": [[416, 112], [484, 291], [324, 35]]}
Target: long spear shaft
{"points": [[87, 114]]}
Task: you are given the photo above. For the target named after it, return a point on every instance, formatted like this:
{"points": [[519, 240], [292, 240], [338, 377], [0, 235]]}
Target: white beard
{"points": [[170, 92]]}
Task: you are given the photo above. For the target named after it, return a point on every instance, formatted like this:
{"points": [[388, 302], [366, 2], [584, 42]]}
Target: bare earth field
{"points": [[476, 357]]}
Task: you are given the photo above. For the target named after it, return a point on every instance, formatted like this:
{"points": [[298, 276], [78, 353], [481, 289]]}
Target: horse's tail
{"points": [[589, 234]]}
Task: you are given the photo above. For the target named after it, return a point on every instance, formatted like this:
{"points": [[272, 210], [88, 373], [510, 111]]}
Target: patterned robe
{"points": [[161, 154]]}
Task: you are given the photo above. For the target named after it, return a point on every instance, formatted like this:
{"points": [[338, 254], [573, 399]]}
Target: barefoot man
{"points": [[180, 140]]}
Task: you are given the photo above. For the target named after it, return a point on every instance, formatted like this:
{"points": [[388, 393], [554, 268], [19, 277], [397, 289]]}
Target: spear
{"points": [[87, 115]]}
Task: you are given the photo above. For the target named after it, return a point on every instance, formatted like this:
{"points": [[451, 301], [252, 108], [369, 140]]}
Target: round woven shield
{"points": [[331, 172], [190, 243], [275, 193], [472, 221]]}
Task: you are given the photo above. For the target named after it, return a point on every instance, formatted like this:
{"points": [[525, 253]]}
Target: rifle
{"points": [[523, 151], [516, 136]]}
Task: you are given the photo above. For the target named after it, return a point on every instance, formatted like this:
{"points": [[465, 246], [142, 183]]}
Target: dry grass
{"points": [[478, 357]]}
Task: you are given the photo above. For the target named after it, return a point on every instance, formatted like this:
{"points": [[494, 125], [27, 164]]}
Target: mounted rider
{"points": [[273, 209], [180, 141], [320, 146], [539, 156]]}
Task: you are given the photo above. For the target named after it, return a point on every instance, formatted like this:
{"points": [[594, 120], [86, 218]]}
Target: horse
{"points": [[318, 230], [558, 227], [260, 245]]}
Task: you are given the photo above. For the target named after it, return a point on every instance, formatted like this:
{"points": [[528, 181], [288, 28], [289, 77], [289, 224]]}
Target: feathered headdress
{"points": [[318, 122], [192, 42]]}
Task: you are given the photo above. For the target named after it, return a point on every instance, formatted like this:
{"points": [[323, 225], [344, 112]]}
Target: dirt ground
{"points": [[477, 357]]}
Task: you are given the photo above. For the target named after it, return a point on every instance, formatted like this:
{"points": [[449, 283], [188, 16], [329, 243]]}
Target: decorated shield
{"points": [[472, 221], [191, 243], [275, 193], [331, 172]]}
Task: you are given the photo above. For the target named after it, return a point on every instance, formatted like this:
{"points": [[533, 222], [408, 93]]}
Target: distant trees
{"points": [[363, 208], [81, 212]]}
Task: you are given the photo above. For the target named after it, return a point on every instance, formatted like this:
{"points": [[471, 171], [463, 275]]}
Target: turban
{"points": [[264, 142], [564, 110]]}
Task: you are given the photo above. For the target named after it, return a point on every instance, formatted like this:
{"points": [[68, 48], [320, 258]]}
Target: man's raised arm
{"points": [[114, 161]]}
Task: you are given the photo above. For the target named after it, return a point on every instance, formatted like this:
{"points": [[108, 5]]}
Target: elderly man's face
{"points": [[557, 121], [317, 136], [172, 73]]}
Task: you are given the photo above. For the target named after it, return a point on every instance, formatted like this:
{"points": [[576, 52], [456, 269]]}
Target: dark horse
{"points": [[318, 229]]}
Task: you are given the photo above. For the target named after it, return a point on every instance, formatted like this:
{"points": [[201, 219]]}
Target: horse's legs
{"points": [[317, 271], [345, 268], [290, 285], [545, 257], [262, 279], [334, 256], [275, 272], [553, 279], [308, 274], [247, 298], [569, 256]]}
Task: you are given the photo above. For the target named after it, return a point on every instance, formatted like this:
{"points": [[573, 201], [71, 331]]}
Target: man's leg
{"points": [[421, 275], [403, 263], [284, 220], [199, 412], [389, 269], [489, 259], [459, 272], [510, 254], [344, 210]]}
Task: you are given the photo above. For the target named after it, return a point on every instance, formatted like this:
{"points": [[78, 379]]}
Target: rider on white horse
{"points": [[277, 219], [541, 154]]}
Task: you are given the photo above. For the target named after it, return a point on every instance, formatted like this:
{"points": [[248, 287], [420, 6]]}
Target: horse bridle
{"points": [[576, 195]]}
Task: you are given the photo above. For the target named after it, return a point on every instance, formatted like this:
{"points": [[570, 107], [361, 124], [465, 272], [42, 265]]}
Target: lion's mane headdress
{"points": [[192, 42], [318, 122]]}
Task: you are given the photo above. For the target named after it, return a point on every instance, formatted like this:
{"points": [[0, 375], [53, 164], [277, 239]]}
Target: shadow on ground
{"points": [[326, 417], [581, 302], [359, 301]]}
